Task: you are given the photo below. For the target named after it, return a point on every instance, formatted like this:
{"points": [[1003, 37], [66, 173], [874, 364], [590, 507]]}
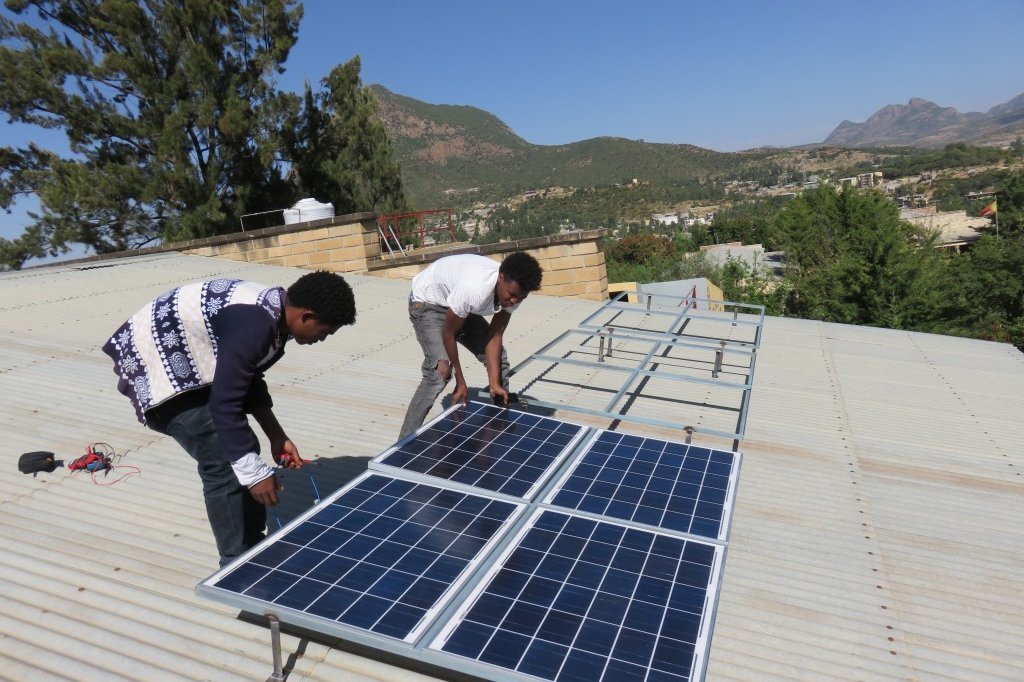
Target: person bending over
{"points": [[447, 306], [192, 362]]}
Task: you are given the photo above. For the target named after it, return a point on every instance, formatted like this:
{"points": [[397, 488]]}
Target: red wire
{"points": [[137, 472], [106, 454]]}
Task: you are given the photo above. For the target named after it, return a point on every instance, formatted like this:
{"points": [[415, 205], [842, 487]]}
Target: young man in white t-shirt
{"points": [[447, 305]]}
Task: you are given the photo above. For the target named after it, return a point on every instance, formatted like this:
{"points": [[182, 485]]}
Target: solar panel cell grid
{"points": [[655, 482], [378, 557], [572, 589], [487, 447], [580, 599]]}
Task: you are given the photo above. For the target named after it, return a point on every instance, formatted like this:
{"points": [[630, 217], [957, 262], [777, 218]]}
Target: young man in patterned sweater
{"points": [[192, 363]]}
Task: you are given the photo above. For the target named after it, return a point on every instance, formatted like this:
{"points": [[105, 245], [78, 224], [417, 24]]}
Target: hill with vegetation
{"points": [[446, 150], [453, 154]]}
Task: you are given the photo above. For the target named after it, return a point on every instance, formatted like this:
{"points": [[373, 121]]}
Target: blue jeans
{"points": [[428, 323], [236, 519]]}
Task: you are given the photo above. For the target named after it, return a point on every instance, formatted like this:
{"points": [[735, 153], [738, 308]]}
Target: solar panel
{"points": [[655, 482], [378, 556], [506, 545], [484, 446], [575, 598]]}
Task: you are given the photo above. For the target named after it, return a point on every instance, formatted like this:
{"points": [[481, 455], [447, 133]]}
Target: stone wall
{"points": [[573, 263], [340, 244]]}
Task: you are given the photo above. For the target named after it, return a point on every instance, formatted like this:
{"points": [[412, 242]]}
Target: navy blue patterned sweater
{"points": [[222, 334]]}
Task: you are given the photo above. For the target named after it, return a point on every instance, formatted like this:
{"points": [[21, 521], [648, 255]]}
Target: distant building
{"points": [[914, 201], [699, 292], [957, 231], [863, 180], [971, 196], [719, 254], [691, 220]]}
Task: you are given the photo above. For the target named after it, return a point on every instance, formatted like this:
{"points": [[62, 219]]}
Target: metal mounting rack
{"points": [[659, 345]]}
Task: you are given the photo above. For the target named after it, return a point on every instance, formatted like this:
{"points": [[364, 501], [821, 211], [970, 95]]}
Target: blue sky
{"points": [[724, 75], [727, 75]]}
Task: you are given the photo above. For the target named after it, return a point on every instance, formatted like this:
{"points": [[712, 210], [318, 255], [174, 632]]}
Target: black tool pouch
{"points": [[33, 462]]}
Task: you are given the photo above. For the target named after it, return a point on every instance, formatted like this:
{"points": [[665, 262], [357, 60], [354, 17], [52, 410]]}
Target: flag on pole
{"points": [[990, 209]]}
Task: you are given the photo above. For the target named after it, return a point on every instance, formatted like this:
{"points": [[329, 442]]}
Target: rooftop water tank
{"points": [[306, 210]]}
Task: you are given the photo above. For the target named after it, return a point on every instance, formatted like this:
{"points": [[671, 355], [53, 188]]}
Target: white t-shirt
{"points": [[463, 283]]}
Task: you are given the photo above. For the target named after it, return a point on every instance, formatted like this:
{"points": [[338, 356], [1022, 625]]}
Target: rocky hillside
{"points": [[921, 123]]}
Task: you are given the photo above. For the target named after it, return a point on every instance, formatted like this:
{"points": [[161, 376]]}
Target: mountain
{"points": [[446, 148], [921, 123]]}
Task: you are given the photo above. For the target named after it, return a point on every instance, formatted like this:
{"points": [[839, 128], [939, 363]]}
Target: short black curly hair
{"points": [[523, 269], [327, 294]]}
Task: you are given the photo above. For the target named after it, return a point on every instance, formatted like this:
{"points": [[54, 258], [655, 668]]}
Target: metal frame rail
{"points": [[671, 336], [384, 239]]}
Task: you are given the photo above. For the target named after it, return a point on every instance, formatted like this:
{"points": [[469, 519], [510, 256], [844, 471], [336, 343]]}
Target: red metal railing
{"points": [[691, 297]]}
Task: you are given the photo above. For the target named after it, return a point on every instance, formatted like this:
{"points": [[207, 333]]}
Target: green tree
{"points": [[640, 257], [1010, 204], [165, 107], [340, 150], [983, 293], [639, 247], [750, 222], [752, 284], [851, 259]]}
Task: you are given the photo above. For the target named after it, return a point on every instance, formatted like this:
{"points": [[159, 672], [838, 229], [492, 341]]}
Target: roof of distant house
{"points": [[751, 254], [952, 226]]}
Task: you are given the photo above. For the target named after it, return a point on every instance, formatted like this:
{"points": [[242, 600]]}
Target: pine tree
{"points": [[342, 153], [1010, 198], [851, 259], [165, 107]]}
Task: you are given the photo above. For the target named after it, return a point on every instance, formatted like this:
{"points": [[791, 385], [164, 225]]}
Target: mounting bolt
{"points": [[275, 645], [718, 359]]}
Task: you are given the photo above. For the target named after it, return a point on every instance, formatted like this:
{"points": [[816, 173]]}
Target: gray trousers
{"points": [[428, 323]]}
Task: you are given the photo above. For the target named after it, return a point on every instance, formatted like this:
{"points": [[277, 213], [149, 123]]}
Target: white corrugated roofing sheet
{"points": [[877, 535]]}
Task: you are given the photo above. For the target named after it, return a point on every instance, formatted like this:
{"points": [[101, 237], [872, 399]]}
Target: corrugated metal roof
{"points": [[878, 524], [877, 534]]}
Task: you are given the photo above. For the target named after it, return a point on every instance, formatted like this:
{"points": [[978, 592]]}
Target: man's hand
{"points": [[460, 394], [287, 456], [499, 395], [265, 491]]}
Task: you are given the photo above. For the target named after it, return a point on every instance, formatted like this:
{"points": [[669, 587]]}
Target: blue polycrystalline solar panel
{"points": [[576, 598], [655, 482], [377, 557], [487, 447]]}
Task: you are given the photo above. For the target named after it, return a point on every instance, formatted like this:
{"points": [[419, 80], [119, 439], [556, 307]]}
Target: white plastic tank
{"points": [[306, 210]]}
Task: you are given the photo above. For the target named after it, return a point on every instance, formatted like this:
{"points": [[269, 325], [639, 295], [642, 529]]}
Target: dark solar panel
{"points": [[655, 482], [596, 581], [378, 557], [581, 599], [487, 447]]}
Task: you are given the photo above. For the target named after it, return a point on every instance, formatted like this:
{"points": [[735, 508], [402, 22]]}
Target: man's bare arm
{"points": [[492, 354], [452, 326]]}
